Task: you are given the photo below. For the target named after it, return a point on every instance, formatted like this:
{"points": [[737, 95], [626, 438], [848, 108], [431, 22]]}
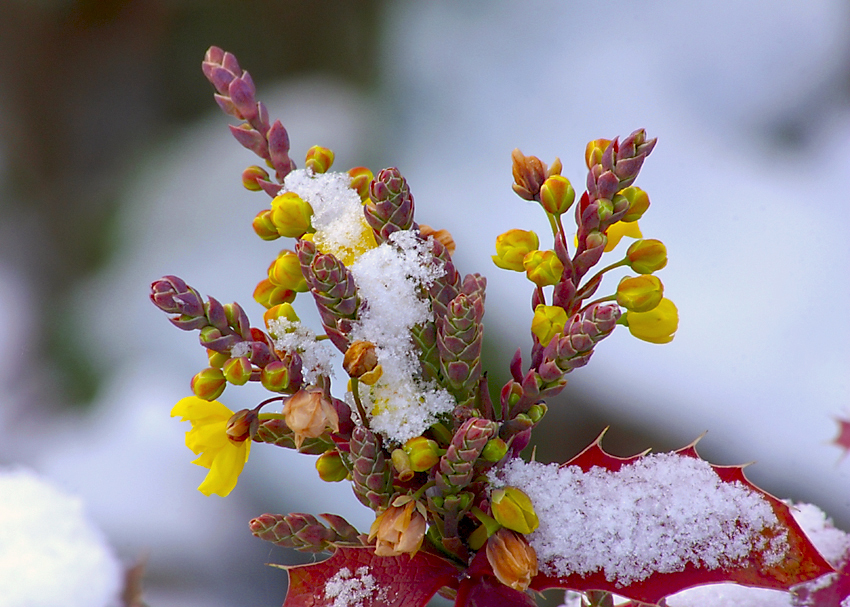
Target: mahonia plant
{"points": [[458, 511]]}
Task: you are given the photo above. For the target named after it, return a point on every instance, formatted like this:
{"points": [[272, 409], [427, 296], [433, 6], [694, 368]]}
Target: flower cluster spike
{"points": [[304, 532], [457, 509], [390, 204], [370, 470]]}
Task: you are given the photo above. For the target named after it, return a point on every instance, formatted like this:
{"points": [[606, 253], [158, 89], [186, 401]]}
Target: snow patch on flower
{"points": [[391, 278], [341, 228], [352, 589], [316, 356], [654, 515], [241, 348]]}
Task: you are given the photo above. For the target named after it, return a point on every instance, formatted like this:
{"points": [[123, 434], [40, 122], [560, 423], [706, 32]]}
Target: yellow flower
{"points": [[543, 268], [640, 293], [622, 228], [656, 326], [222, 455], [512, 247], [513, 509], [548, 322]]}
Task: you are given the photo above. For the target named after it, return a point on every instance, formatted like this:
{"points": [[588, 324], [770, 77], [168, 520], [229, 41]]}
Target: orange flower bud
{"points": [[513, 560], [638, 203], [309, 413], [275, 376], [331, 467], [264, 227], [512, 247], [640, 293], [361, 177], [442, 236], [217, 359], [237, 370], [208, 384], [360, 358], [283, 310], [319, 159], [250, 177], [548, 322], [400, 528], [647, 256], [529, 174], [594, 150], [656, 326], [513, 509], [291, 215], [557, 195], [543, 268], [269, 295], [242, 425]]}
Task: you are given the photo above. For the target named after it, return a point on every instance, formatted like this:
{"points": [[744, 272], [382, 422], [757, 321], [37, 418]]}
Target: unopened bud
{"points": [[319, 159], [285, 272], [543, 268], [640, 293], [548, 321], [638, 203], [423, 453], [513, 509], [269, 295], [494, 450], [401, 463], [512, 247], [557, 195], [250, 177], [537, 411], [264, 226], [360, 358], [275, 376], [237, 370], [208, 384], [529, 174], [513, 560], [284, 311], [441, 236], [217, 359], [242, 426], [361, 178], [291, 215], [594, 150], [647, 256], [331, 467]]}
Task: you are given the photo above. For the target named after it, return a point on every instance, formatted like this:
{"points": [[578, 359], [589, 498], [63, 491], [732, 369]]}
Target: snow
{"points": [[349, 590], [317, 357], [390, 279], [654, 515], [50, 553]]}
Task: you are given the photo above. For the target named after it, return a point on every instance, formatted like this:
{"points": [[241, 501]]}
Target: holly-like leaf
{"points": [[358, 576], [762, 566]]}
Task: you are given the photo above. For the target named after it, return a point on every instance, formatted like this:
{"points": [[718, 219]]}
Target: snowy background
{"points": [[751, 105]]}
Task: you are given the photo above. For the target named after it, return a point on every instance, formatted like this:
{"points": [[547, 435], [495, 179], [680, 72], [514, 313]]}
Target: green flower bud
{"points": [[557, 195], [640, 293], [319, 159], [275, 376], [237, 370], [536, 412], [638, 203], [423, 453], [647, 256], [208, 384], [291, 215], [494, 450], [513, 509], [512, 247], [331, 467], [543, 268], [264, 226]]}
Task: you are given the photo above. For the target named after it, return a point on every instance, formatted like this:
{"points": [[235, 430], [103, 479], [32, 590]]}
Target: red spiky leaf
{"points": [[400, 581], [803, 562]]}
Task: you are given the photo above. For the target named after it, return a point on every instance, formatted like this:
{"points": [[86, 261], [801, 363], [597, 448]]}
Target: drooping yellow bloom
{"points": [[512, 247], [656, 326], [223, 456], [622, 228]]}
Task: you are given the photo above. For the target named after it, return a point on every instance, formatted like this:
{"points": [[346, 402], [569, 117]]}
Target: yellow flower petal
{"points": [[225, 470], [616, 232]]}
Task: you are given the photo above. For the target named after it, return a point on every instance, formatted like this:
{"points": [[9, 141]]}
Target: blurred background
{"points": [[116, 167]]}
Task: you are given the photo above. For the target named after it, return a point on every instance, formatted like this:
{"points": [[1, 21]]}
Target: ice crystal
{"points": [[316, 356], [351, 589]]}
